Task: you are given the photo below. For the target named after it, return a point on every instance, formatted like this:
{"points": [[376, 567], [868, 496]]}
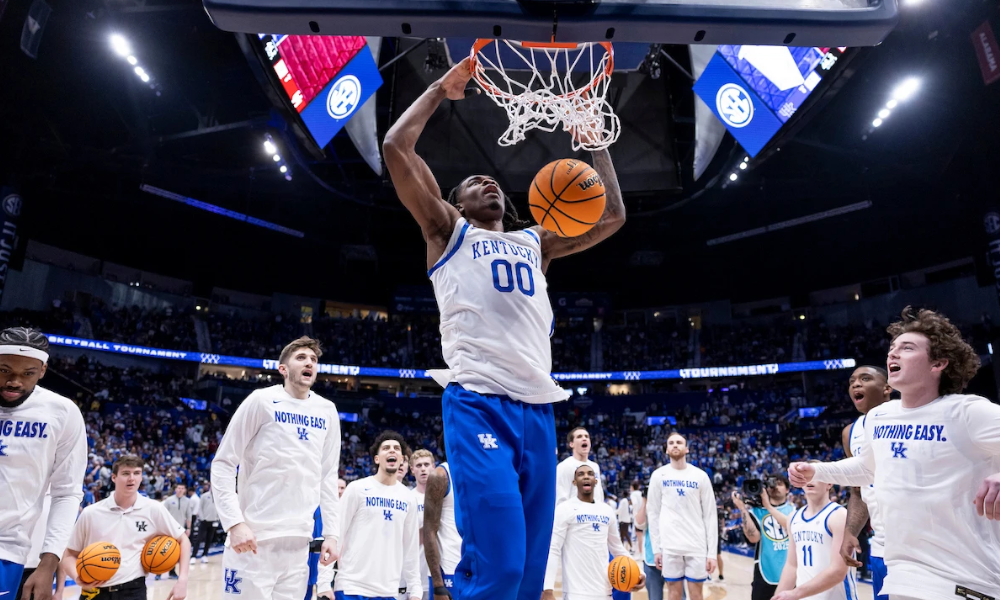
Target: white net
{"points": [[540, 93]]}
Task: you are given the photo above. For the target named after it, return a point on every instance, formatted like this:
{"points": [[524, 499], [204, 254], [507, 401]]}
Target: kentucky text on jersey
{"points": [[487, 247], [933, 433], [28, 429], [603, 519], [297, 419], [680, 483], [380, 502], [809, 536]]}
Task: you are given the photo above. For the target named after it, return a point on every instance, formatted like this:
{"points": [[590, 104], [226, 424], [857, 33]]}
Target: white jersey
{"points": [[495, 315], [380, 541], [636, 497], [625, 511], [683, 518], [288, 453], [927, 464], [127, 528], [448, 536], [582, 535], [858, 438], [565, 472], [43, 447], [814, 551]]}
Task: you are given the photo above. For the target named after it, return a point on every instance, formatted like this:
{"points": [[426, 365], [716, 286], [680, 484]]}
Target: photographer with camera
{"points": [[766, 513]]}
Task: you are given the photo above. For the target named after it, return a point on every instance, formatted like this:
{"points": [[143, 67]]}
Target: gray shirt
{"points": [[206, 509], [180, 509]]}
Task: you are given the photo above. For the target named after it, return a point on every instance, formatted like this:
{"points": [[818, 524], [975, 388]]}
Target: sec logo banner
{"points": [[734, 105], [344, 97], [12, 206]]}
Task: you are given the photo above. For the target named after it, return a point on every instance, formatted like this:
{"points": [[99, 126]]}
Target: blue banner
{"points": [[272, 365], [734, 102], [335, 105]]}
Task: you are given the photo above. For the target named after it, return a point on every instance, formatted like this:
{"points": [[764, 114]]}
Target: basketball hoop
{"points": [[544, 96]]}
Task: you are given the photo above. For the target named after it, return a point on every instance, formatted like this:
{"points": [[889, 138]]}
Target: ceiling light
{"points": [[743, 166], [283, 169], [906, 90], [891, 104], [732, 177], [276, 157], [120, 45], [132, 60], [876, 122], [884, 113], [144, 78], [269, 147], [140, 71]]}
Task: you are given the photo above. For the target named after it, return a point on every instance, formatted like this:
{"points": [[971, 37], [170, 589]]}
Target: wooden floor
{"points": [[204, 582]]}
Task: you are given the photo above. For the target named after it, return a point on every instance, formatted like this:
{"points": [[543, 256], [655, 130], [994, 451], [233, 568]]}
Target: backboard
{"points": [[759, 22]]}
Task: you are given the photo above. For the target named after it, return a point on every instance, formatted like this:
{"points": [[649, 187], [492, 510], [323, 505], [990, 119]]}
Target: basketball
{"points": [[98, 562], [623, 572], [160, 554], [567, 197]]}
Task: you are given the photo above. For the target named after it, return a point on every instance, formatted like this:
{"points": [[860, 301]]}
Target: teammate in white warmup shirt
{"points": [[285, 441], [927, 456], [583, 533], [379, 533], [578, 440], [814, 568], [683, 522], [869, 389], [43, 447]]}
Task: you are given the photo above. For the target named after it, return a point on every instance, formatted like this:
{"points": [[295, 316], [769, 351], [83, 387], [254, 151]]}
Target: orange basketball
{"points": [[98, 562], [623, 572], [567, 197], [160, 554]]}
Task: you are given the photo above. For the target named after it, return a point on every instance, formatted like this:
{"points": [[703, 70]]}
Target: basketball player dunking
{"points": [[495, 339], [869, 388], [927, 455]]}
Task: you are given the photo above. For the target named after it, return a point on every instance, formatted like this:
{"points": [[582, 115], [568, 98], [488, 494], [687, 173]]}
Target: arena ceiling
{"points": [[81, 134]]}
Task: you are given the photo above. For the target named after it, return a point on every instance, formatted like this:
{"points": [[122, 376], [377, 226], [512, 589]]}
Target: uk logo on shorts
{"points": [[343, 97], [734, 105], [488, 441], [233, 582]]}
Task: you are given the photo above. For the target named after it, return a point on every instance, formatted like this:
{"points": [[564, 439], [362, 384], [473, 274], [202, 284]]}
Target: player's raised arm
{"points": [[415, 184], [611, 221]]}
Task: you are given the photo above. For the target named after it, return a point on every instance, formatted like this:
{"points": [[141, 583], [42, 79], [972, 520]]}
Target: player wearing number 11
{"points": [[488, 272]]}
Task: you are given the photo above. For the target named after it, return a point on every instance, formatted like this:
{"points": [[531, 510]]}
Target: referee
{"points": [[128, 521]]}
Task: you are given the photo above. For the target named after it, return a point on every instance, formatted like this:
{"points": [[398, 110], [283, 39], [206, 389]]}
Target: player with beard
{"points": [[285, 441], [683, 522], [927, 455], [43, 448], [497, 404], [380, 536], [585, 531], [868, 388], [578, 440]]}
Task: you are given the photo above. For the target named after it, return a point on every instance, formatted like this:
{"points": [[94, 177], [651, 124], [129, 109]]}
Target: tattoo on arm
{"points": [[750, 528], [857, 513], [437, 487]]}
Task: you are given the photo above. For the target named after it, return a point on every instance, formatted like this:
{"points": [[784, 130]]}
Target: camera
{"points": [[752, 490]]}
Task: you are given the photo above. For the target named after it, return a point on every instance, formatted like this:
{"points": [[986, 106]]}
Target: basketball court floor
{"points": [[204, 582]]}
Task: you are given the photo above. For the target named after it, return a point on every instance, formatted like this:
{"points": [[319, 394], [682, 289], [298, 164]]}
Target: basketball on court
{"points": [[624, 573], [160, 554], [567, 197], [98, 562]]}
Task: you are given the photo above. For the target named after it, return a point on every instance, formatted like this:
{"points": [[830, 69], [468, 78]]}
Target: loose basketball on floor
{"points": [[98, 562], [623, 572], [160, 554], [567, 197]]}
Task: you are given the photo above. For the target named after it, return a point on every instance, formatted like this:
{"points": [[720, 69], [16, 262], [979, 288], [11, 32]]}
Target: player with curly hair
{"points": [[927, 456]]}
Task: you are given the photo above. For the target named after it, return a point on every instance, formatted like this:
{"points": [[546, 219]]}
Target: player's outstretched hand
{"points": [[455, 80], [988, 498], [850, 549], [801, 473], [638, 586], [242, 539], [38, 586], [710, 564], [328, 553]]}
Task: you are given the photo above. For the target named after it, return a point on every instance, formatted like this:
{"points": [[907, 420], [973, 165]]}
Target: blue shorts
{"points": [[878, 576], [10, 578], [502, 454], [449, 582]]}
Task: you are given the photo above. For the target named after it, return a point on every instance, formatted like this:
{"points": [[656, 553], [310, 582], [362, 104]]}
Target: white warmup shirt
{"points": [[288, 454], [127, 528], [565, 471], [582, 535], [814, 551], [380, 541], [496, 318], [636, 497], [857, 440], [43, 447], [683, 519], [448, 537], [927, 464], [625, 511]]}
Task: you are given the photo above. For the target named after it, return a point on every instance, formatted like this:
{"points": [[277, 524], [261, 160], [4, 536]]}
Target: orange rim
{"points": [[482, 43]]}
